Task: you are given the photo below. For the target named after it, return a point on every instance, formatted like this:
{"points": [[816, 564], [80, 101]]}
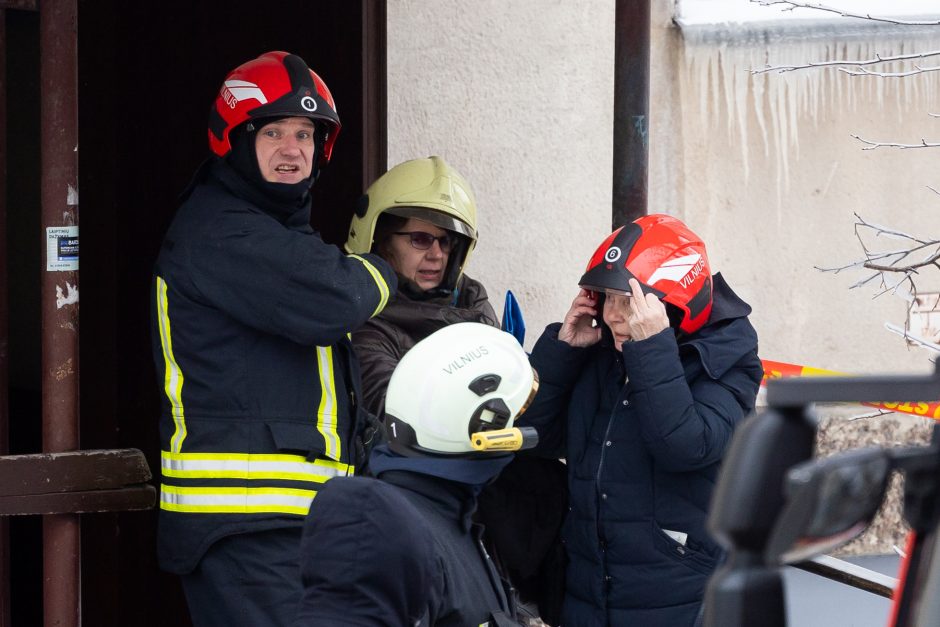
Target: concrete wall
{"points": [[766, 169], [518, 96]]}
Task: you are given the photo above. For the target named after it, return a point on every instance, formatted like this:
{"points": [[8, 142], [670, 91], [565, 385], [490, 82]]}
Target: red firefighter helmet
{"points": [[666, 258], [276, 84]]}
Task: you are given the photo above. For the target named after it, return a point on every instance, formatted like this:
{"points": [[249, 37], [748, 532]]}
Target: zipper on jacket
{"points": [[620, 400], [597, 482], [610, 421]]}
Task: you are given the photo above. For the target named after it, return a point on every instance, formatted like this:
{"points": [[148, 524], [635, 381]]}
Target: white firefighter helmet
{"points": [[465, 379]]}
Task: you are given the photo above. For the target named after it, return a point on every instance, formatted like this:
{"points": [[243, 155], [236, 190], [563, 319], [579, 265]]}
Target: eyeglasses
{"points": [[424, 241]]}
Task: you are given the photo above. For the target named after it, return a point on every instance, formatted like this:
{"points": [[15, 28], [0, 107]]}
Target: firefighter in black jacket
{"points": [[413, 556], [251, 318]]}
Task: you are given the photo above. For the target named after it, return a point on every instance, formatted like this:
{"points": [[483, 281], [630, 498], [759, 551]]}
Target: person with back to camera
{"points": [[643, 405], [421, 217], [250, 316], [414, 556]]}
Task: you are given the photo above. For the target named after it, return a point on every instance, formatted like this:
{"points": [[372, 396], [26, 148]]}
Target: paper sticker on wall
{"points": [[61, 248]]}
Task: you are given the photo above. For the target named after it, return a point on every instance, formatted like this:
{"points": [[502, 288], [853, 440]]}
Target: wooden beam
{"points": [[75, 471], [23, 5], [95, 501]]}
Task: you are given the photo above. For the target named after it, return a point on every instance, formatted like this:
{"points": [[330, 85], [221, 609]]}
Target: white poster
{"points": [[61, 248]]}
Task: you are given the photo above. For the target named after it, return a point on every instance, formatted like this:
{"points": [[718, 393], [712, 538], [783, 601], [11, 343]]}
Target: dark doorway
{"points": [[148, 72]]}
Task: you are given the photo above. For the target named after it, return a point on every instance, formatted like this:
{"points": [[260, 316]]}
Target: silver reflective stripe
{"points": [[247, 466], [379, 282], [236, 500], [173, 375], [326, 412]]}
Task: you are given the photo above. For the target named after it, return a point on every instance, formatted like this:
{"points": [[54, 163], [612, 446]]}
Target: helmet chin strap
{"points": [[319, 144]]}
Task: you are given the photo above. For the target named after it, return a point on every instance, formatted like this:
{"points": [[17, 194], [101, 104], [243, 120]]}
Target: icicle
{"points": [[788, 105]]}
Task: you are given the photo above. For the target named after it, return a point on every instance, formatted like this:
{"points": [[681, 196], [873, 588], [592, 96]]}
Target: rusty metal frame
{"points": [[631, 111], [374, 91], [4, 325], [58, 42]]}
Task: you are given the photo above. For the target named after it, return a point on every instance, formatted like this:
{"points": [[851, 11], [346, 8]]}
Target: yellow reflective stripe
{"points": [[326, 412], [379, 281], [236, 500], [172, 375], [249, 466]]}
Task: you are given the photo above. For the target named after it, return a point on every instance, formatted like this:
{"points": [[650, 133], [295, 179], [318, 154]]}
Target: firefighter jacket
{"points": [[644, 432], [382, 341], [250, 319], [410, 556]]}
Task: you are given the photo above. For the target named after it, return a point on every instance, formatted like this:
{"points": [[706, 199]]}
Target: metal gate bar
{"points": [[58, 41]]}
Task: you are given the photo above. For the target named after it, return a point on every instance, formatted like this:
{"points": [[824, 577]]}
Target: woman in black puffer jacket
{"points": [[641, 388]]}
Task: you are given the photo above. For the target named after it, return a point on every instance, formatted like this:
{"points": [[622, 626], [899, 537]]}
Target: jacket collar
{"points": [[421, 317], [727, 336], [455, 501], [293, 214]]}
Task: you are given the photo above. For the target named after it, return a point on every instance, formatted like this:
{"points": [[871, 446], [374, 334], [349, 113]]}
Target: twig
{"points": [[913, 337], [852, 62], [863, 72], [901, 263], [865, 16], [871, 145], [874, 414]]}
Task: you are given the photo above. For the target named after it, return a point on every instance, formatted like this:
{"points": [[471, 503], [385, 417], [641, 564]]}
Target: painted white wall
{"points": [[518, 96], [765, 169]]}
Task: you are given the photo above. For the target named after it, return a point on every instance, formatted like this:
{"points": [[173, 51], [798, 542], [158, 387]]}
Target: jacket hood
{"points": [[728, 336]]}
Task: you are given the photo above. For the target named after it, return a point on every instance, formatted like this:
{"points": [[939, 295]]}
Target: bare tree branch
{"points": [[873, 144], [790, 5], [874, 414], [917, 70], [849, 62], [913, 338], [893, 269]]}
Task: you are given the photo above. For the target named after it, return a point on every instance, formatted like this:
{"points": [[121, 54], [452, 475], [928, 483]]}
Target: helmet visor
{"points": [[436, 218]]}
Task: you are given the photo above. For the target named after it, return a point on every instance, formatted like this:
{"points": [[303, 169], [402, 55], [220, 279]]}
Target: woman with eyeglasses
{"points": [[420, 216]]}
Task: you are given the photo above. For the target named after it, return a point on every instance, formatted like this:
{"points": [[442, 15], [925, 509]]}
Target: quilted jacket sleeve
{"points": [[558, 366], [686, 423]]}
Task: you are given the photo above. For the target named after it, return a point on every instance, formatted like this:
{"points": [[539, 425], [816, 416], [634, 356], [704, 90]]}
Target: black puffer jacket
{"points": [[383, 340], [642, 460], [397, 551]]}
